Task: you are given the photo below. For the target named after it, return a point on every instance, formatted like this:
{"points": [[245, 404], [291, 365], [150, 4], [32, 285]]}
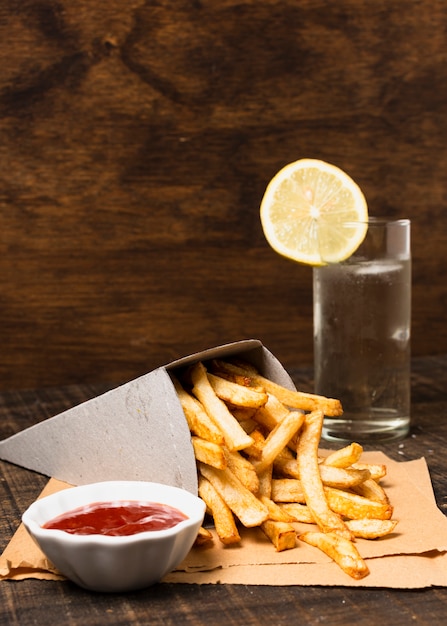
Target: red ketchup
{"points": [[118, 518]]}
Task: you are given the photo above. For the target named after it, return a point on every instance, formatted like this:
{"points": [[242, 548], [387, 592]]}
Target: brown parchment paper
{"points": [[415, 556]]}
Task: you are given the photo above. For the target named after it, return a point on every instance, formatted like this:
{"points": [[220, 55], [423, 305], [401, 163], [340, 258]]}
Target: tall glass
{"points": [[362, 318]]}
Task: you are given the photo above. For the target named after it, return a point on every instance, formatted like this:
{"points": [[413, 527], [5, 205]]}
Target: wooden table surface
{"points": [[138, 139], [41, 602]]}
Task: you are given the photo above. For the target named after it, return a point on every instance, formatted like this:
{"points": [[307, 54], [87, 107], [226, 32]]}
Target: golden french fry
{"points": [[244, 504], [276, 513], [243, 469], [331, 476], [221, 368], [287, 490], [286, 465], [224, 522], [254, 451], [341, 550], [235, 394], [307, 454], [301, 400], [299, 512], [371, 528], [341, 478], [204, 537], [294, 399], [278, 439], [243, 414], [377, 471], [344, 457], [372, 490], [265, 482], [199, 422], [235, 436], [209, 452], [281, 534], [285, 455], [353, 506], [249, 426], [272, 413]]}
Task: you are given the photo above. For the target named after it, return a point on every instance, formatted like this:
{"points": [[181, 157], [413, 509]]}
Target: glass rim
{"points": [[374, 220]]}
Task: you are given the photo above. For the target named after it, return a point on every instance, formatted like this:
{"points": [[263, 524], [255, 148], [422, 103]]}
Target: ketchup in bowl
{"points": [[118, 518]]}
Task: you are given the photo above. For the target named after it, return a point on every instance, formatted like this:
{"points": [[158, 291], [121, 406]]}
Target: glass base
{"points": [[376, 430]]}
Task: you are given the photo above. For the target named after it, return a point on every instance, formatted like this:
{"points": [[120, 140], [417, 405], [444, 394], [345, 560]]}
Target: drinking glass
{"points": [[362, 320]]}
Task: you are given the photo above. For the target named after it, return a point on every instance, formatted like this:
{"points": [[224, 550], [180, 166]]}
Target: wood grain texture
{"points": [[137, 140], [33, 602]]}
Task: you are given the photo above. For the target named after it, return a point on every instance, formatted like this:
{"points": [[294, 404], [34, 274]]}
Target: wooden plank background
{"points": [[137, 139]]}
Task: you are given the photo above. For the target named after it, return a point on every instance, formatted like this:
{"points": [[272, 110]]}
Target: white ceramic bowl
{"points": [[111, 563]]}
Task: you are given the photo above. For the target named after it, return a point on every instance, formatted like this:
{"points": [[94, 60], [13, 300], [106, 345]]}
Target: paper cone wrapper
{"points": [[137, 431]]}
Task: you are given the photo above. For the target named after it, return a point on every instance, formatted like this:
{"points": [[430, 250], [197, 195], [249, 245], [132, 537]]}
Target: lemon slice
{"points": [[314, 213]]}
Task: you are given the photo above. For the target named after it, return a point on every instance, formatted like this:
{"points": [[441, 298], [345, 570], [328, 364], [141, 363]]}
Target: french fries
{"points": [[198, 421], [293, 399], [314, 495], [341, 550], [345, 457], [209, 452], [371, 528], [244, 504], [237, 395], [224, 522], [281, 534], [235, 436], [354, 506], [256, 445], [274, 443], [204, 537]]}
